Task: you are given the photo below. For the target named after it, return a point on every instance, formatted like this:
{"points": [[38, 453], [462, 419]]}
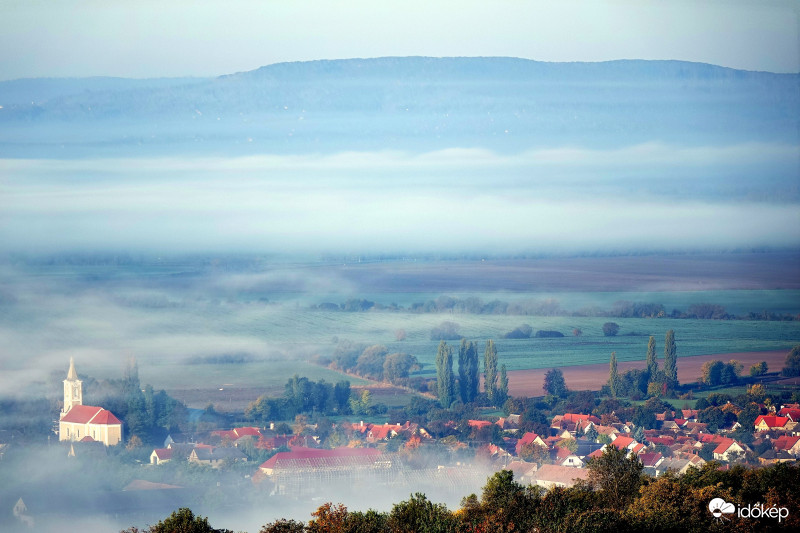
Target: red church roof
{"points": [[84, 414]]}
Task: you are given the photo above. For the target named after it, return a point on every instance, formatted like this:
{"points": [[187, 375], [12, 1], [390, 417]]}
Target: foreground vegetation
{"points": [[616, 497]]}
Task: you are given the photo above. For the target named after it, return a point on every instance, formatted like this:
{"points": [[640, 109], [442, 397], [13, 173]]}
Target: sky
{"points": [[566, 198], [145, 38]]}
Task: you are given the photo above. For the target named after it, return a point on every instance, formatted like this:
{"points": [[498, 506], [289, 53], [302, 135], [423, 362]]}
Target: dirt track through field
{"points": [[593, 377]]}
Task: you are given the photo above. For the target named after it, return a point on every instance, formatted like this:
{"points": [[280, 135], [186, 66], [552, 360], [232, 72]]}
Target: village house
{"points": [[787, 443], [78, 421], [174, 450], [549, 476], [215, 457], [529, 438], [237, 433], [628, 443], [303, 470], [770, 423], [792, 413]]}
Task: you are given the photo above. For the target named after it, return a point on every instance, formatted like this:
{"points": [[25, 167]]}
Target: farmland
{"points": [[198, 327]]}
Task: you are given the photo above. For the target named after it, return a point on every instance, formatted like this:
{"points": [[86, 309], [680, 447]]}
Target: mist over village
{"points": [[455, 267]]}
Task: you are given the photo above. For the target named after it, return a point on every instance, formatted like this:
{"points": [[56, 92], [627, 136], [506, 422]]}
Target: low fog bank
{"points": [[651, 196], [101, 491], [185, 318]]}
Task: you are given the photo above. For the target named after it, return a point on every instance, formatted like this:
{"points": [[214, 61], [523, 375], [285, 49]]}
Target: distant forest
{"points": [[551, 307]]}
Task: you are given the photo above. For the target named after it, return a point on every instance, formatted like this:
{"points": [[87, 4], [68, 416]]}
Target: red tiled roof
{"points": [[163, 453], [794, 414], [772, 421], [84, 414], [106, 417], [666, 441], [785, 442], [622, 442], [87, 438], [479, 423], [310, 457], [650, 458], [527, 438], [724, 444], [560, 474], [576, 417], [238, 433]]}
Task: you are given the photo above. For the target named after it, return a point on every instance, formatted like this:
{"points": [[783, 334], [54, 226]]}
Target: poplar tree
{"points": [[490, 369], [652, 362], [670, 358], [444, 375], [613, 376], [468, 371], [501, 392]]}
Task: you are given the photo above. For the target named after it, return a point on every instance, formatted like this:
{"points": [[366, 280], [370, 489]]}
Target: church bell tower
{"points": [[73, 389]]}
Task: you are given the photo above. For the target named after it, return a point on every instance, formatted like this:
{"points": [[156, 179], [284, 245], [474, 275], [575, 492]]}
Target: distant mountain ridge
{"points": [[410, 103]]}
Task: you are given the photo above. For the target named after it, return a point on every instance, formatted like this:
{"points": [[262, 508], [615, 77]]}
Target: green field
{"points": [[168, 318]]}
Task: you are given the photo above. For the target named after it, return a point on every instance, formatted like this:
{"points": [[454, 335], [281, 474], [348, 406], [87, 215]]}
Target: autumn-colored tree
{"points": [[534, 453], [616, 475], [329, 518], [667, 505]]}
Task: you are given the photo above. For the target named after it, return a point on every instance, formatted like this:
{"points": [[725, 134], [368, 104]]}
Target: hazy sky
{"points": [[145, 38]]}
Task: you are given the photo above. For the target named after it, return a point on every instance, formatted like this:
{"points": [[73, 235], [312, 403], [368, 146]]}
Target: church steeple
{"points": [[73, 389]]}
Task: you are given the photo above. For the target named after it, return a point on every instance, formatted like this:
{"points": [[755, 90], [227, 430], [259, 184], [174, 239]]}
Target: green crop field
{"points": [[178, 324]]}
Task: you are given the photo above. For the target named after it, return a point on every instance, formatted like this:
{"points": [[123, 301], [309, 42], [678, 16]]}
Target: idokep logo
{"points": [[719, 508]]}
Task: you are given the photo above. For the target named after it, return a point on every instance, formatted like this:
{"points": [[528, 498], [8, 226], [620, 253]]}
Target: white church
{"points": [[85, 423]]}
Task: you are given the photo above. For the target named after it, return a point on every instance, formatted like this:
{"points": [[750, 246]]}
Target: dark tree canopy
{"points": [[670, 357], [554, 383], [610, 329], [613, 375], [652, 362], [791, 367], [445, 381], [490, 369], [616, 475], [468, 381]]}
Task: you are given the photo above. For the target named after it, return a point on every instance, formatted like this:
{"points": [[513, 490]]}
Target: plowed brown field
{"points": [[593, 377]]}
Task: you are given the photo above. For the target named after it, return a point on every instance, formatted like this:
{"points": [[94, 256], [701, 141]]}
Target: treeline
{"points": [[148, 416], [551, 307], [615, 497], [302, 396], [372, 362]]}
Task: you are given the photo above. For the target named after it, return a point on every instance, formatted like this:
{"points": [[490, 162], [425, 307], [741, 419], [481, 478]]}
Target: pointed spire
{"points": [[72, 374]]}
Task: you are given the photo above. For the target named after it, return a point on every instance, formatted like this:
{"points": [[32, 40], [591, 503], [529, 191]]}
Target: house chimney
{"points": [[362, 423]]}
